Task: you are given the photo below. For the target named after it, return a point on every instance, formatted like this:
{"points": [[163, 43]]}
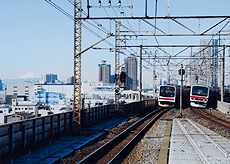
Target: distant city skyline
{"points": [[42, 42], [49, 78]]}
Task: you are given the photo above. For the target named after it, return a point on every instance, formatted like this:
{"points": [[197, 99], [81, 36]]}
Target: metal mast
{"points": [[168, 71], [222, 74], [154, 75], [117, 63], [181, 90], [77, 68], [140, 79]]}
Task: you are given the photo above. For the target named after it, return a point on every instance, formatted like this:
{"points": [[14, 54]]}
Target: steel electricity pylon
{"points": [[77, 68]]}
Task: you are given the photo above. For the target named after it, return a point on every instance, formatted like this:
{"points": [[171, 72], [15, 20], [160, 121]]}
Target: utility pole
{"points": [[168, 71], [168, 16], [222, 74], [140, 79], [154, 75], [131, 7], [146, 7]]}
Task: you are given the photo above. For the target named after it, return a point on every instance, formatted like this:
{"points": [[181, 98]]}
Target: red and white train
{"points": [[169, 96], [202, 96], [199, 95]]}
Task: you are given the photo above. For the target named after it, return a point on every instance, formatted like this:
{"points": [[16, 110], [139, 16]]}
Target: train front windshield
{"points": [[166, 91], [200, 91]]}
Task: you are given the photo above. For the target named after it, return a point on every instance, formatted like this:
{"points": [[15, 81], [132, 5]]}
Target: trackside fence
{"points": [[24, 134], [19, 135]]}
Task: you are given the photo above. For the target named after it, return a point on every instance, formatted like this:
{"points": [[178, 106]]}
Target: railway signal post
{"points": [[123, 78], [181, 73]]}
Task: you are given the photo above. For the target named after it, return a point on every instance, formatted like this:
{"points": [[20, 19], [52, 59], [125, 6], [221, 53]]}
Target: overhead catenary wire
{"points": [[83, 25], [129, 49], [123, 26], [209, 41], [98, 23], [72, 18]]}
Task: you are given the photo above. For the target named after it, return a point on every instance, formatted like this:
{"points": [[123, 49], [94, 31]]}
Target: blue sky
{"points": [[35, 37]]}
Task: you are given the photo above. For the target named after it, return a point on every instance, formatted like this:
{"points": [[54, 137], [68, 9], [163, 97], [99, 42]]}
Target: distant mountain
{"points": [[7, 81], [29, 75]]}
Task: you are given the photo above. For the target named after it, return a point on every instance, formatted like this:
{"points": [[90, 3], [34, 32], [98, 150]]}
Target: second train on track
{"points": [[198, 96]]}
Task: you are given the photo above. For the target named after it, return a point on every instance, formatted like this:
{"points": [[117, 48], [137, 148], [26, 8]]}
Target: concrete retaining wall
{"points": [[223, 107]]}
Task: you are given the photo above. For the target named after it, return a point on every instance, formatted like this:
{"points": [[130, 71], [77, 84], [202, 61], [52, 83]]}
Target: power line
{"points": [[72, 18]]}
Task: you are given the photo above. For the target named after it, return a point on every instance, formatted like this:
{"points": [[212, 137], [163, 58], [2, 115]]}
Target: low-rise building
{"points": [[70, 80], [24, 107], [17, 117], [66, 89], [21, 89], [49, 98], [4, 111]]}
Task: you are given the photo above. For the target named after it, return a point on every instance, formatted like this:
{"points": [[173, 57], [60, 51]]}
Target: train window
{"points": [[167, 91], [200, 91]]}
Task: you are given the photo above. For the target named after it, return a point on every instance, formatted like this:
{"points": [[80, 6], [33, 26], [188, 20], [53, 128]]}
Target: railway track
{"points": [[150, 148], [118, 148], [214, 118], [193, 143]]}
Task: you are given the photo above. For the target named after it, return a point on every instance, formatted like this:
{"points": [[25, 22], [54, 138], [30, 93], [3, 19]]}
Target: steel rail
{"points": [[100, 153], [213, 118], [128, 148], [210, 139], [194, 144]]}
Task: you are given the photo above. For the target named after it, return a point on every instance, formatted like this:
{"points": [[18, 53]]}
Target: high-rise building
{"points": [[213, 63], [70, 80], [195, 67], [49, 78], [0, 85], [131, 73], [112, 79], [204, 64], [104, 72]]}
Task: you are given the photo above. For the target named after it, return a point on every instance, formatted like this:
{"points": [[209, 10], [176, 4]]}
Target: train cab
{"points": [[167, 96], [199, 96]]}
